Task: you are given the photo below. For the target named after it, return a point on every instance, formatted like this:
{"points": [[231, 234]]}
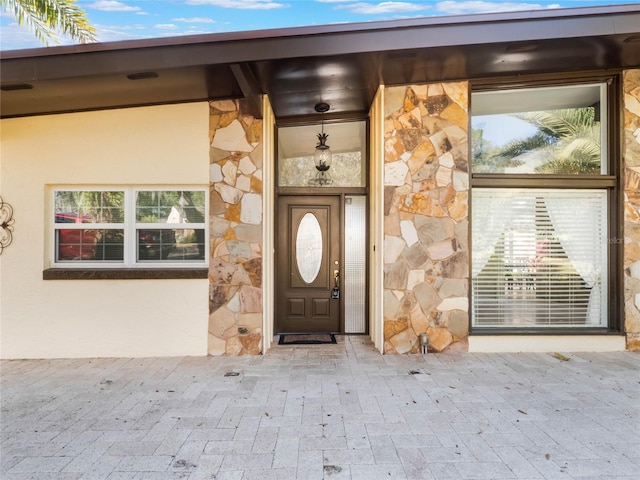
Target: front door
{"points": [[308, 264]]}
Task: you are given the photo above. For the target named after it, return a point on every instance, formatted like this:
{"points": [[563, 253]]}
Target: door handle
{"points": [[335, 292]]}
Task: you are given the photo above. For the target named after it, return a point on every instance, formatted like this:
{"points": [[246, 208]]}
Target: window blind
{"points": [[539, 257]]}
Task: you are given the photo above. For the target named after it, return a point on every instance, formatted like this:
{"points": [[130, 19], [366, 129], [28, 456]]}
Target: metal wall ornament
{"points": [[6, 224]]}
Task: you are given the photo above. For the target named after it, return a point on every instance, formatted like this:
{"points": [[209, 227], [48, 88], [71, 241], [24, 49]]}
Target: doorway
{"points": [[321, 264], [321, 232], [309, 259]]}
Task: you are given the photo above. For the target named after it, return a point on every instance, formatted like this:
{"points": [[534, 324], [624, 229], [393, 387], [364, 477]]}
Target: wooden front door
{"points": [[308, 259]]}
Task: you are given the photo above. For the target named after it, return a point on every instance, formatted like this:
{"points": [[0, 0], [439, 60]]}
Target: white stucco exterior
{"points": [[376, 253], [150, 146], [546, 343]]}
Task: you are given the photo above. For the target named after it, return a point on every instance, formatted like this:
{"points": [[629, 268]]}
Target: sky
{"points": [[117, 20]]}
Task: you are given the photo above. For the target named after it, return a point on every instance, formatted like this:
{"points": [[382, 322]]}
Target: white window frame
{"points": [[130, 227]]}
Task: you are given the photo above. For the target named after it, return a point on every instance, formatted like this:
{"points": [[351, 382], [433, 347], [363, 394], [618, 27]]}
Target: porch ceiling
{"points": [[299, 67]]}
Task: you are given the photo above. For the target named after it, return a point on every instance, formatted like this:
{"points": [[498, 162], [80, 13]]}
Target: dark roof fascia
{"points": [[361, 27], [341, 39]]}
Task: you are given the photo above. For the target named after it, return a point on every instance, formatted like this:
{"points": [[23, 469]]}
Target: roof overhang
{"points": [[342, 65]]}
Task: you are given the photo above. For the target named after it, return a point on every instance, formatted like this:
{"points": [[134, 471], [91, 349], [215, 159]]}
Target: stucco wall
{"points": [[376, 220], [631, 155], [96, 318]]}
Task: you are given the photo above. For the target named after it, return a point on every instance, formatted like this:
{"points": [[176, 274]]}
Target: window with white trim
{"points": [[129, 227], [541, 189]]}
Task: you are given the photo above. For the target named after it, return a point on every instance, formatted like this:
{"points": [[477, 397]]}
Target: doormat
{"points": [[306, 338]]}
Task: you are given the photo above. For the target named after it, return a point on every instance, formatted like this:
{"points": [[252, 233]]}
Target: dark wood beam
{"points": [[249, 86]]}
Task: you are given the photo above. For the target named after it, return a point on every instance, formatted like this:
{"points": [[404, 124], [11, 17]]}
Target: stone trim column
{"points": [[631, 156], [426, 199], [235, 222]]}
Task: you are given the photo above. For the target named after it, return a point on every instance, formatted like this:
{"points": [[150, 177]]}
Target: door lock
{"points": [[335, 292]]}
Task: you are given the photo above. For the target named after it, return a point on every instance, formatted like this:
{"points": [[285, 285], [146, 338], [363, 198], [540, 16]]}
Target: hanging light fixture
{"points": [[322, 155]]}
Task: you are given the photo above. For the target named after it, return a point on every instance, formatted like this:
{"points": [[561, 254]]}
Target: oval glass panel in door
{"points": [[309, 247]]}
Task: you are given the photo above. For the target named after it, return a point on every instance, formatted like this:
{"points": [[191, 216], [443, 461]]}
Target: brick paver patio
{"points": [[326, 411]]}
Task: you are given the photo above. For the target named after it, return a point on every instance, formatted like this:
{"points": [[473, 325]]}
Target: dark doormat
{"points": [[306, 338]]}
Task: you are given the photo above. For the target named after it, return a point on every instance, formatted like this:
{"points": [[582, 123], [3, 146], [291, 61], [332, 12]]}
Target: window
{"points": [[539, 257], [129, 227], [541, 190], [296, 147], [551, 130]]}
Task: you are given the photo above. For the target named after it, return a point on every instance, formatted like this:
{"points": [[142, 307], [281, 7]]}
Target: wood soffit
{"points": [[342, 65]]}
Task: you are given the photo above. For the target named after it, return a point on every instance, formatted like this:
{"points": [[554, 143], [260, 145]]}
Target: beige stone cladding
{"points": [[426, 200], [631, 155], [235, 272]]}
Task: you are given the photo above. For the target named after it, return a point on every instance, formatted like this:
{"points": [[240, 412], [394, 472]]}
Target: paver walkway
{"points": [[326, 411]]}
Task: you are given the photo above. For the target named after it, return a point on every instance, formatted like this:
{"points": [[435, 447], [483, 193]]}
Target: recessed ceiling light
{"points": [[16, 86], [142, 75]]}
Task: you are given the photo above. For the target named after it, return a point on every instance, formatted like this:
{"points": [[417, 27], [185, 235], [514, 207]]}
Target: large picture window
{"points": [[129, 227], [541, 188], [539, 257]]}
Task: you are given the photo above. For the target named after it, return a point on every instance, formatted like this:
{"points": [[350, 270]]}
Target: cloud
{"points": [[240, 4], [166, 26], [15, 37], [117, 33], [113, 6], [113, 33], [365, 8], [193, 20], [451, 7]]}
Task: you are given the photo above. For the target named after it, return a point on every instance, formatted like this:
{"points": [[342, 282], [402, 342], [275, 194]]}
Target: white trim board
{"points": [[546, 343]]}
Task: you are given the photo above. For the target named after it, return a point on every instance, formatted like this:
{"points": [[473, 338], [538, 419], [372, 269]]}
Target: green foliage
{"points": [[92, 206], [537, 141], [575, 145], [154, 206], [568, 140], [487, 158], [561, 123], [346, 170], [46, 18]]}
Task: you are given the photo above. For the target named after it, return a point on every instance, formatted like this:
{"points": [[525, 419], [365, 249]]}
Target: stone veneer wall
{"points": [[426, 198], [235, 216], [631, 152]]}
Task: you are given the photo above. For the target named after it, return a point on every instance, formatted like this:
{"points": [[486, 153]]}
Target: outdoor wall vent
{"points": [[142, 75], [522, 47], [16, 86]]}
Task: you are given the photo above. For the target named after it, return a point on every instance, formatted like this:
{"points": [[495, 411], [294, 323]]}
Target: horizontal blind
{"points": [[539, 257]]}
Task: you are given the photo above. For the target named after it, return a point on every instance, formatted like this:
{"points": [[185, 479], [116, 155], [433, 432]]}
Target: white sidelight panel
{"points": [[355, 264]]}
